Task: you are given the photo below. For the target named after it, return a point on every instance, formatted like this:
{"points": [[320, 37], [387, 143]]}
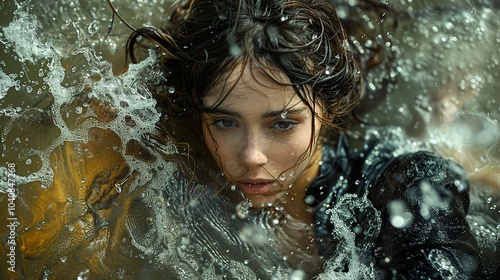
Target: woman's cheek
{"points": [[295, 150], [230, 166], [225, 151]]}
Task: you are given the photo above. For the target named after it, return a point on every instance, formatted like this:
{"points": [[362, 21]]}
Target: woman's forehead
{"points": [[251, 80], [252, 75]]}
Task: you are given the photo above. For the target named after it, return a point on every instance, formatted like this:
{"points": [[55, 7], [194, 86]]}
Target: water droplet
{"points": [[242, 209], [171, 90], [309, 199], [78, 110], [235, 50], [283, 114], [298, 275], [93, 27], [282, 177], [399, 215]]}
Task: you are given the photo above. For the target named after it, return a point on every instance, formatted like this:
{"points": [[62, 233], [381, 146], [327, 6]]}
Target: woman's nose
{"points": [[253, 154]]}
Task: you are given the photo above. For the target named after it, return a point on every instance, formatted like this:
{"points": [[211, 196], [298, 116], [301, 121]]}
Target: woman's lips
{"points": [[254, 188]]}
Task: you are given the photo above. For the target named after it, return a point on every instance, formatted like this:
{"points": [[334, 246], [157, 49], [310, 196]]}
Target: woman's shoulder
{"points": [[421, 199], [359, 162], [381, 160]]}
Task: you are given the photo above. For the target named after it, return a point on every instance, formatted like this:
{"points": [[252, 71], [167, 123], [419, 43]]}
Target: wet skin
{"points": [[261, 137]]}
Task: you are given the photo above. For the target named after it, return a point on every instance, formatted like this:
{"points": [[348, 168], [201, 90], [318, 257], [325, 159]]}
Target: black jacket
{"points": [[416, 228]]}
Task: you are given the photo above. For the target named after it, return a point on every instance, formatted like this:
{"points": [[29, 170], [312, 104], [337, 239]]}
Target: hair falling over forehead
{"points": [[297, 43], [205, 40]]}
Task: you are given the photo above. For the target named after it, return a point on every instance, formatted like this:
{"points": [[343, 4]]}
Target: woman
{"points": [[271, 83]]}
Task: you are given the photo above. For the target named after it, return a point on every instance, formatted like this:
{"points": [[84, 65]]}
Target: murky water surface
{"points": [[89, 189]]}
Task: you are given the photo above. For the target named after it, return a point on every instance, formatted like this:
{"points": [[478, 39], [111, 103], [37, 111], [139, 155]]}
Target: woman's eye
{"points": [[224, 123], [284, 125]]}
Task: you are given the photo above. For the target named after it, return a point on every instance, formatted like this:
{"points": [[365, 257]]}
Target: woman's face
{"points": [[261, 136]]}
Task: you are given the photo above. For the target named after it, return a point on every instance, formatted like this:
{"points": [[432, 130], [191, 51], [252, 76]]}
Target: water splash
{"points": [[352, 259]]}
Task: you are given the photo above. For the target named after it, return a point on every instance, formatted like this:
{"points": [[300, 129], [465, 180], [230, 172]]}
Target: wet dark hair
{"points": [[205, 40]]}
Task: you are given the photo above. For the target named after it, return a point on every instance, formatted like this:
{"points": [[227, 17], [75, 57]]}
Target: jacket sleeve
{"points": [[423, 200]]}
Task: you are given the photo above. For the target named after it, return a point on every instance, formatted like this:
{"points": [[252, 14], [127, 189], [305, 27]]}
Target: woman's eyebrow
{"points": [[220, 111], [284, 112], [276, 113]]}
